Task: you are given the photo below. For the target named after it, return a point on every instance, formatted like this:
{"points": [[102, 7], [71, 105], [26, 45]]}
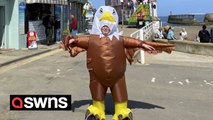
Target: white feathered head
{"points": [[105, 15]]}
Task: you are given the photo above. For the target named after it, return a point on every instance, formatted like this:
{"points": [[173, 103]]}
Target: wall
{"points": [[191, 47], [2, 25], [5, 30], [11, 33], [13, 24]]}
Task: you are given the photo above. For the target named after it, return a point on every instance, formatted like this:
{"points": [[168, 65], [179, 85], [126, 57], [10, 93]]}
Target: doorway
{"points": [[2, 26]]}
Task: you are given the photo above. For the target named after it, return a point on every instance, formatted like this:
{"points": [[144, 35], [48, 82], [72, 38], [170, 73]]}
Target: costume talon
{"points": [[90, 117], [130, 117], [96, 110], [106, 62], [122, 112]]}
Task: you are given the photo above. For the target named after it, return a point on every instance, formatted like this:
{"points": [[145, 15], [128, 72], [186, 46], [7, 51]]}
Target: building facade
{"points": [[76, 9], [9, 29], [21, 16], [124, 8]]}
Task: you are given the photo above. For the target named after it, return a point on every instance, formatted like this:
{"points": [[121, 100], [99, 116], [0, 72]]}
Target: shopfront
{"points": [[18, 17], [36, 12], [21, 16]]}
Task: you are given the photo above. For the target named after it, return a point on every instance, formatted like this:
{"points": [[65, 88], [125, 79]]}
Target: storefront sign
{"points": [[22, 7]]}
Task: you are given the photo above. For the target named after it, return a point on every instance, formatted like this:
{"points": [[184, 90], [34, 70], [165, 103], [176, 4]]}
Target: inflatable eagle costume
{"points": [[106, 62]]}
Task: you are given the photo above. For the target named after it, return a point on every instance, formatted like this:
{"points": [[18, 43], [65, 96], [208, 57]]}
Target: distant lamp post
{"points": [[122, 12], [69, 12]]}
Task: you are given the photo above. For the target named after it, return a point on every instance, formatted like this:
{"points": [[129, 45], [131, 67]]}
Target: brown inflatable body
{"points": [[106, 61]]}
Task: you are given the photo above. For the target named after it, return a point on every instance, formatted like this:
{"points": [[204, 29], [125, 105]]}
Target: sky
{"points": [[176, 6]]}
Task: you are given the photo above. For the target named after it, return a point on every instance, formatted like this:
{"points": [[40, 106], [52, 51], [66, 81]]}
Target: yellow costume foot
{"points": [[122, 112], [96, 111]]}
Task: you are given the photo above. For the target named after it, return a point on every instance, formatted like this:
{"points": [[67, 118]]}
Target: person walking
{"points": [[48, 23], [183, 34], [73, 25], [171, 34], [211, 33], [204, 35], [58, 29], [159, 34]]}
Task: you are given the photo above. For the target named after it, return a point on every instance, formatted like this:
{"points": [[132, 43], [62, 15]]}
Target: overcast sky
{"points": [[176, 6]]}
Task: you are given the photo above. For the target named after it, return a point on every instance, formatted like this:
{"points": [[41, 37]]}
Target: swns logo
{"points": [[40, 102]]}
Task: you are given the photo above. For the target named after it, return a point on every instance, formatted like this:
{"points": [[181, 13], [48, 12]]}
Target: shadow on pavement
{"points": [[109, 104]]}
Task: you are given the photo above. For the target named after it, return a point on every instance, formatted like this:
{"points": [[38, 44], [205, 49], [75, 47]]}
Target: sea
{"points": [[164, 20]]}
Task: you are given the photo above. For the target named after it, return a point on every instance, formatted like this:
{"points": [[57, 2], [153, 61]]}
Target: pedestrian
{"points": [[73, 25], [165, 31], [204, 35], [183, 34], [211, 33], [171, 34], [48, 22], [58, 29], [159, 34], [107, 52]]}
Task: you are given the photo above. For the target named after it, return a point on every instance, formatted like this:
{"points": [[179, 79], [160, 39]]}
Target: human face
{"points": [[105, 30], [72, 16]]}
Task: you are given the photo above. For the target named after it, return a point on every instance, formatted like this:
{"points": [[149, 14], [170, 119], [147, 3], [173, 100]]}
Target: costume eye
{"points": [[113, 11], [101, 10]]}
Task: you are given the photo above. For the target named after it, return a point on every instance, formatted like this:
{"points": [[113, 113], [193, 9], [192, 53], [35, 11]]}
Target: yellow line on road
{"points": [[26, 61]]}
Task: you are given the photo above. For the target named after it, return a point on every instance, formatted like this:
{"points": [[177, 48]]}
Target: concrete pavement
{"points": [[176, 58], [164, 88], [8, 56], [156, 91], [180, 59]]}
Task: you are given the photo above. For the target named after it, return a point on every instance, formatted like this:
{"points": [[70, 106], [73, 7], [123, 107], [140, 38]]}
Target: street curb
{"points": [[26, 57]]}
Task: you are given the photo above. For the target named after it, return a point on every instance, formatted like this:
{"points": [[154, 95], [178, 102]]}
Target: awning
{"points": [[62, 2]]}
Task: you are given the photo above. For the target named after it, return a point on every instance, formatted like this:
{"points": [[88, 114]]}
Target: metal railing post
{"points": [[142, 34], [142, 54]]}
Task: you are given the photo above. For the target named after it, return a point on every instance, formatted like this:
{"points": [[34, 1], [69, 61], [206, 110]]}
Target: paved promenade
{"points": [[175, 86], [8, 56]]}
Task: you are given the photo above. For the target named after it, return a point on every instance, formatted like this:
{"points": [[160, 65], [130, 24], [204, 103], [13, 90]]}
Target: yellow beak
{"points": [[107, 16]]}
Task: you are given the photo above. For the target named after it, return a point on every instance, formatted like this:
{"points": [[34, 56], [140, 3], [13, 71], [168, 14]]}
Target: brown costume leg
{"points": [[120, 97], [119, 91], [96, 111], [98, 91]]}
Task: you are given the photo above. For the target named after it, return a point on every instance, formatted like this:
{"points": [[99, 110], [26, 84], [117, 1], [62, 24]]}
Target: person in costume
{"points": [[107, 51]]}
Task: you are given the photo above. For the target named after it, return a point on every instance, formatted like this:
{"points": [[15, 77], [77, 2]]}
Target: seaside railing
{"points": [[144, 34]]}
